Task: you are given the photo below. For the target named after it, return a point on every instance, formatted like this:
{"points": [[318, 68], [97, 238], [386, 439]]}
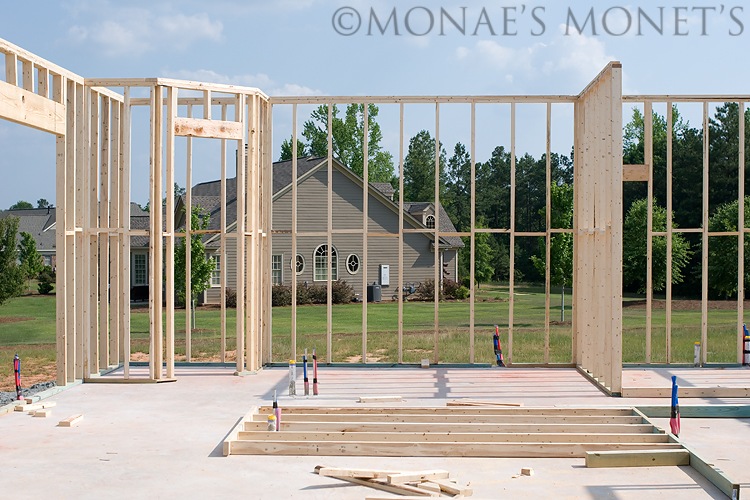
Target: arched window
{"points": [[429, 221], [352, 263], [321, 264]]}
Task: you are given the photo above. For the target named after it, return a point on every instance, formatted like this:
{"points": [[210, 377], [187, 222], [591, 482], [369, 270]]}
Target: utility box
{"points": [[385, 275], [374, 293]]}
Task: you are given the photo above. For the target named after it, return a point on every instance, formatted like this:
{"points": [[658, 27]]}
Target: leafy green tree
{"points": [[419, 169], [348, 140], [634, 249], [493, 189], [286, 149], [457, 198], [687, 178], [722, 251], [201, 266], [31, 262], [483, 255], [11, 277], [43, 203], [561, 244], [21, 205], [46, 280]]}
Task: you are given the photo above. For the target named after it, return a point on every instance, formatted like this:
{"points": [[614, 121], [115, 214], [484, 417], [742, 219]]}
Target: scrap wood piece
{"points": [[380, 399], [527, 471], [358, 473], [44, 412], [379, 483], [401, 497], [398, 489], [429, 486], [471, 402], [417, 476], [345, 472], [70, 421], [35, 406], [453, 488]]}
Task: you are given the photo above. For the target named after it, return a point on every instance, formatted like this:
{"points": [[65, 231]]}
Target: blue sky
{"points": [[291, 47]]}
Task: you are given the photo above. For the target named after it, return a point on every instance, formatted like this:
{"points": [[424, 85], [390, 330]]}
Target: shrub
{"points": [[231, 298], [341, 292], [426, 291], [46, 279], [318, 294], [281, 295], [450, 288], [462, 293]]}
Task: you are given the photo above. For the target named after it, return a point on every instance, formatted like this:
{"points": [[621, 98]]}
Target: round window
{"points": [[352, 264], [298, 264]]}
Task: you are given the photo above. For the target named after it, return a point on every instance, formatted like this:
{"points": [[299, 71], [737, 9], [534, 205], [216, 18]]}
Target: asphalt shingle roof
{"points": [[38, 222]]}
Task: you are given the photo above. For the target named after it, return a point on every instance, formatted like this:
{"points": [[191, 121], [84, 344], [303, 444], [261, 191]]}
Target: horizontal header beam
{"points": [[216, 129], [27, 108]]}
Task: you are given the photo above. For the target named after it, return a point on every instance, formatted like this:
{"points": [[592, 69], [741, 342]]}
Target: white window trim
{"points": [[334, 268], [280, 269], [427, 218], [214, 257], [359, 263], [145, 260]]}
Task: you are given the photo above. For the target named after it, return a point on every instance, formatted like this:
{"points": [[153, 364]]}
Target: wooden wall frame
{"points": [[92, 122]]}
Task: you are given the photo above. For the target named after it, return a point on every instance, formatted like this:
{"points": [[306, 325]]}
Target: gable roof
{"points": [[38, 222], [382, 190], [208, 194], [446, 224]]}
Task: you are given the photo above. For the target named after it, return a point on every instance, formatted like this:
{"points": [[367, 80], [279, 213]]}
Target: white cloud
{"points": [[259, 80], [136, 31], [574, 59]]}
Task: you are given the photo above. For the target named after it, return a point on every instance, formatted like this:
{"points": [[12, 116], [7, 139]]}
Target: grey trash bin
{"points": [[374, 293]]}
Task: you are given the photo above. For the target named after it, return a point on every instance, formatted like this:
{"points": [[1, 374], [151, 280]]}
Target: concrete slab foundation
{"points": [[165, 440]]}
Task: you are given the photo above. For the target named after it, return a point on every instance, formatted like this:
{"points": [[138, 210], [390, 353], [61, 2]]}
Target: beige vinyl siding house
{"points": [[40, 224], [310, 262]]}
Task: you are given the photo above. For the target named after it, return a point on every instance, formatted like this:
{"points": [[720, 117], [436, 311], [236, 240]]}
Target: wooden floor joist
{"points": [[447, 431], [639, 458], [687, 392]]}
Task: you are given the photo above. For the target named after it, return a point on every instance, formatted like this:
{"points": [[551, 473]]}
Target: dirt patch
{"points": [[686, 305], [358, 359], [14, 319], [44, 373]]}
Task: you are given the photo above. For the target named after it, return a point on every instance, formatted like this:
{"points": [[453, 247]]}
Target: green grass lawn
{"points": [[27, 326]]}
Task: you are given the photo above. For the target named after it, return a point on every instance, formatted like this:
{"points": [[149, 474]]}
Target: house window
{"points": [[297, 264], [277, 276], [140, 269], [352, 263], [321, 264], [430, 222], [216, 273]]}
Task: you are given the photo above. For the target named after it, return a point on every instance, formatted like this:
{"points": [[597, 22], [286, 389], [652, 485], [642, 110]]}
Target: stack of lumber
{"points": [[426, 483], [447, 431]]}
